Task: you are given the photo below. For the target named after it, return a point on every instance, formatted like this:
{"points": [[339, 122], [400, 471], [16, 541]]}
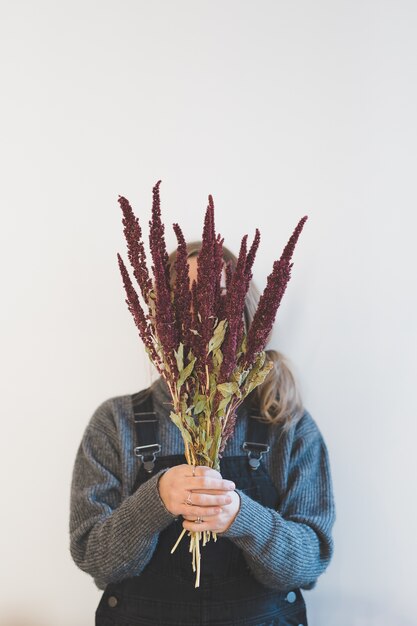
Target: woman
{"points": [[271, 506]]}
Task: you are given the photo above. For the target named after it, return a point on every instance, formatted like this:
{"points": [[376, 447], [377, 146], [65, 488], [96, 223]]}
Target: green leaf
{"points": [[242, 377], [218, 336], [176, 419], [257, 374], [217, 358], [212, 388], [185, 373], [179, 357], [227, 389], [200, 405], [242, 347], [221, 409], [189, 420], [186, 435], [239, 376], [214, 450]]}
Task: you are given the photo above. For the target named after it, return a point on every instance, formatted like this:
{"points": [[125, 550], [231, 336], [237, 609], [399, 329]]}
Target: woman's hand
{"points": [[218, 522], [199, 493]]}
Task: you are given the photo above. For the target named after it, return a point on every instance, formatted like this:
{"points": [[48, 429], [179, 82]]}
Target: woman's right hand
{"points": [[202, 494]]}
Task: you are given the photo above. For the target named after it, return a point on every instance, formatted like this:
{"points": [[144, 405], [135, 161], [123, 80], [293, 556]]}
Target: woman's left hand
{"points": [[219, 522]]}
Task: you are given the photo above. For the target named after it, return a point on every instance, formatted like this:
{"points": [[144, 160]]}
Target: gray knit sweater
{"points": [[114, 534]]}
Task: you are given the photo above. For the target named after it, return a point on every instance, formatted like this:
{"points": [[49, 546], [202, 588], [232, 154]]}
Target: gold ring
{"points": [[188, 500], [198, 520], [193, 470]]}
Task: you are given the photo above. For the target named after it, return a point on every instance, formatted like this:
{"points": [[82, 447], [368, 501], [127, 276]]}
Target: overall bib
{"points": [[164, 593]]}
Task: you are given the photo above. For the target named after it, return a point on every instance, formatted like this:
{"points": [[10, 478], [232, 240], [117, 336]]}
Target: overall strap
{"points": [[146, 429], [256, 438]]}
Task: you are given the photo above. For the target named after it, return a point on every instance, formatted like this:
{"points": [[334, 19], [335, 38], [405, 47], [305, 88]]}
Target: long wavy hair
{"points": [[278, 399]]}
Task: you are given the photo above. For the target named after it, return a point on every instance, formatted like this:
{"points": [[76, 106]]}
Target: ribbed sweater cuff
{"points": [[246, 519], [152, 514]]}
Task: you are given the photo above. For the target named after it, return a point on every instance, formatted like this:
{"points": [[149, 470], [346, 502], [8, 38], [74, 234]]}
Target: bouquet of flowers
{"points": [[196, 335]]}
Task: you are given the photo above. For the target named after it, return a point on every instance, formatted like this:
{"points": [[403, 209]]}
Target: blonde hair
{"points": [[278, 398]]}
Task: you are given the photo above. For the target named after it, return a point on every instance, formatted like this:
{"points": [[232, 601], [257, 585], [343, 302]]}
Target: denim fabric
{"points": [[164, 594]]}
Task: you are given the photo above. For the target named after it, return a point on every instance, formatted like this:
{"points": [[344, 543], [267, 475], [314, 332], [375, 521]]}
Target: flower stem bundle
{"points": [[195, 334]]}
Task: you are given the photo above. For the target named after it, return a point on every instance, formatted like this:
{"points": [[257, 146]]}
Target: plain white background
{"points": [[278, 109]]}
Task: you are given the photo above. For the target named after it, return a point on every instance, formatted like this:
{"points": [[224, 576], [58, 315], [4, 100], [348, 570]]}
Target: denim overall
{"points": [[164, 593]]}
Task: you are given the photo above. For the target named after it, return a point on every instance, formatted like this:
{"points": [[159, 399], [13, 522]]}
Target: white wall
{"points": [[277, 108]]}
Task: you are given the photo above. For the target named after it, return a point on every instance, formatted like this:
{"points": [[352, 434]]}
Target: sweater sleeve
{"points": [[292, 546], [111, 537]]}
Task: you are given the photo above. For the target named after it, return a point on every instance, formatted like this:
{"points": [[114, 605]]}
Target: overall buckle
{"points": [[147, 455], [255, 452]]}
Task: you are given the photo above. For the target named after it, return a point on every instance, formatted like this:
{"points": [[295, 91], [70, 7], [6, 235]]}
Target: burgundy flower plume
{"points": [[136, 250], [182, 293], [164, 313], [271, 298], [136, 310], [208, 277]]}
